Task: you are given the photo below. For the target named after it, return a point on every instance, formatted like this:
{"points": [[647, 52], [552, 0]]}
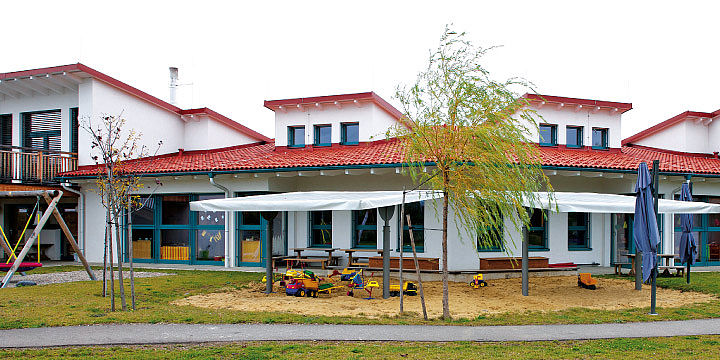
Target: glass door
{"points": [[623, 241], [250, 239]]}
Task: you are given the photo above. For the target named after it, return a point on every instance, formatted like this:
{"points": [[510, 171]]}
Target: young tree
{"points": [[111, 146], [473, 131]]}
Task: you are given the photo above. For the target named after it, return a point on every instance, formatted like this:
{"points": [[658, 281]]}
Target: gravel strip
{"points": [[71, 276]]}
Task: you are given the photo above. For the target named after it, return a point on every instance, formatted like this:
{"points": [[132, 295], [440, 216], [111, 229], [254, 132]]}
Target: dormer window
{"points": [[350, 133], [548, 134], [296, 136], [599, 138], [574, 136], [322, 135]]}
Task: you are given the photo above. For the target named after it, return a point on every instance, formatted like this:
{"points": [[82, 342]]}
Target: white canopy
{"points": [[611, 203], [360, 200], [314, 201]]}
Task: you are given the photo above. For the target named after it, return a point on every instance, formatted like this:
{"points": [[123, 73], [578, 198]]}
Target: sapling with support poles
{"points": [[52, 202]]}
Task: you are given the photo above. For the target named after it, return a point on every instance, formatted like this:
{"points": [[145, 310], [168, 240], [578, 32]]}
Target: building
{"points": [[338, 143]]}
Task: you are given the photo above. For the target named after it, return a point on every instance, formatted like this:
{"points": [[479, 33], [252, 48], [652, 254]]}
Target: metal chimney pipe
{"points": [[173, 84]]}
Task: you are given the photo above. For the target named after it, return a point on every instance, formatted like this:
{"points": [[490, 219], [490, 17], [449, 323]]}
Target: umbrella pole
{"points": [[655, 188], [687, 271]]}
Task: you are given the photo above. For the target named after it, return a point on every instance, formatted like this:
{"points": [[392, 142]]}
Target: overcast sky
{"points": [[660, 56]]}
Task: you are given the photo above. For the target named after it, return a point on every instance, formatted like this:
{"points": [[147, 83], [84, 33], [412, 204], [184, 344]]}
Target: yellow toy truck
{"points": [[409, 289], [478, 282]]}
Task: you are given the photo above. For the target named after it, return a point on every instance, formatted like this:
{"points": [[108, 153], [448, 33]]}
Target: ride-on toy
{"points": [[302, 287], [478, 282], [586, 281]]}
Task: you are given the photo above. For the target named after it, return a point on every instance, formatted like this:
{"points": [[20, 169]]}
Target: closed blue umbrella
{"points": [[645, 226], [688, 245]]}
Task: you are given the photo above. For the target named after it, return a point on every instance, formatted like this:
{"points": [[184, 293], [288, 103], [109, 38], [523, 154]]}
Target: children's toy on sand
{"points": [[586, 281], [409, 289], [478, 282]]}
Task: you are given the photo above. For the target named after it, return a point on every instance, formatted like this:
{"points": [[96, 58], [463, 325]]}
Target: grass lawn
{"points": [[687, 347], [80, 303]]}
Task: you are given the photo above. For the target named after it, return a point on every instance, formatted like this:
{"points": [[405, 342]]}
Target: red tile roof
{"points": [[261, 156]]}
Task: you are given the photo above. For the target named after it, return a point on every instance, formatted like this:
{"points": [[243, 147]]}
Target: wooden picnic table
{"points": [[664, 263], [299, 258], [351, 252]]}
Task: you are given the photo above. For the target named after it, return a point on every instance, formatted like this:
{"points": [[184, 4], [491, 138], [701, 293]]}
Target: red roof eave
{"points": [[622, 107]]}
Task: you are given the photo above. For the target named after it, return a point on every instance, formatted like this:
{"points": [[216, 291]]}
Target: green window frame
{"points": [[537, 230], [41, 130], [320, 229], [417, 217], [599, 138], [350, 133], [6, 130], [574, 136], [364, 222], [319, 131], [579, 229], [549, 131], [295, 139], [156, 227], [492, 235]]}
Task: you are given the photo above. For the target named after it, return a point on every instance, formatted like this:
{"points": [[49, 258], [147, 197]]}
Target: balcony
{"points": [[27, 165]]}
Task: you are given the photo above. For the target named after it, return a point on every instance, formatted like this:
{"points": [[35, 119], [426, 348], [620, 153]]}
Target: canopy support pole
{"points": [[386, 213], [656, 186], [525, 263], [269, 216]]}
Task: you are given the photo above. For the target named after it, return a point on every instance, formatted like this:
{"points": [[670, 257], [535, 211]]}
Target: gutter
{"points": [[228, 223], [81, 218]]}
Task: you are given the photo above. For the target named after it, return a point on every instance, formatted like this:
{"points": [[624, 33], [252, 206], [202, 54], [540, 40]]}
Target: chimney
{"points": [[173, 85]]}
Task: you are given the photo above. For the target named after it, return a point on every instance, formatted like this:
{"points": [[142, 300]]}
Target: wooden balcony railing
{"points": [[34, 166]]}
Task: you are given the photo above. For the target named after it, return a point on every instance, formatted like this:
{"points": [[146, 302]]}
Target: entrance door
{"points": [[250, 239], [623, 241]]}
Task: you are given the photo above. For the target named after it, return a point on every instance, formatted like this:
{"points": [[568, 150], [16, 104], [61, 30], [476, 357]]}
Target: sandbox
{"points": [[500, 296]]}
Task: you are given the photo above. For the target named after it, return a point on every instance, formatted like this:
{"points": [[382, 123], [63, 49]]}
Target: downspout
{"points": [[81, 218], [228, 223]]}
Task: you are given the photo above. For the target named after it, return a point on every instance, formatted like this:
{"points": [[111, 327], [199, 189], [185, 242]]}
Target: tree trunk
{"points": [[121, 280], [445, 275], [108, 239], [130, 252], [105, 262]]}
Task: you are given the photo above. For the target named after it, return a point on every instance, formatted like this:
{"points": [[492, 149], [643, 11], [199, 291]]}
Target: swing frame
{"points": [[52, 197]]}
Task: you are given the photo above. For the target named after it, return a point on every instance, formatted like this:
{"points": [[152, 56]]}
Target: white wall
{"points": [[155, 124], [373, 121], [585, 117], [202, 133]]}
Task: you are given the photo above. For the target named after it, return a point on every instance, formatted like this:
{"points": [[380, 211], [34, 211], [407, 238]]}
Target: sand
{"points": [[500, 296]]}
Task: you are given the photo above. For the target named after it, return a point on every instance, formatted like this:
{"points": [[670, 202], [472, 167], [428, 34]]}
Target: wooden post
{"points": [[525, 263], [29, 244], [417, 269], [69, 236]]}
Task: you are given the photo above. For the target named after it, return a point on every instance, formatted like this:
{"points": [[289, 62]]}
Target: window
{"points": [[574, 136], [322, 135], [416, 210], [537, 230], [250, 236], [6, 130], [364, 224], [599, 138], [175, 239], [320, 228], [210, 233], [296, 136], [578, 231], [41, 130], [548, 134], [350, 133], [491, 239], [74, 127]]}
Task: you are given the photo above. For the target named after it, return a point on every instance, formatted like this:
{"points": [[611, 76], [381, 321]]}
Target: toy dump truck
{"points": [[302, 287]]}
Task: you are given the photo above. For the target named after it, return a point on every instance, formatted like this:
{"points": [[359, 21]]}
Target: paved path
{"points": [[198, 333]]}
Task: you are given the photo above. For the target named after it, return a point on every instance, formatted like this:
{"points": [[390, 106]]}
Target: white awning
{"points": [[360, 200], [611, 203], [314, 201]]}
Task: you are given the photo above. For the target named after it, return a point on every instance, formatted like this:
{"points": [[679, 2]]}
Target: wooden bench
{"points": [[324, 262], [618, 267], [665, 270]]}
